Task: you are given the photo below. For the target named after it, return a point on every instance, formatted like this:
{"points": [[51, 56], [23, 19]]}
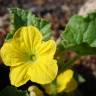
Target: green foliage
{"points": [[80, 34], [12, 91], [20, 17]]}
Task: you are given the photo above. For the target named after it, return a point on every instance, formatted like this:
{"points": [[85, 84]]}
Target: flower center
{"points": [[32, 57]]}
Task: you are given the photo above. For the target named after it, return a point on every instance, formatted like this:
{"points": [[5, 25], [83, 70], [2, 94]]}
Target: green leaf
{"points": [[12, 91], [20, 17], [80, 34], [81, 79]]}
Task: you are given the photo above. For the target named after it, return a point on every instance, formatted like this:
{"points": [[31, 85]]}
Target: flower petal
{"points": [[18, 75], [43, 72], [63, 79], [30, 36], [71, 86], [35, 90], [12, 54], [47, 49]]}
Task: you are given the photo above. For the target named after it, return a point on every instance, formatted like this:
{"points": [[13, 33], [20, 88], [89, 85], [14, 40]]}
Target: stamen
{"points": [[32, 57]]}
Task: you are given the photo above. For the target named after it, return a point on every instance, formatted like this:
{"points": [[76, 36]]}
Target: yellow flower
{"points": [[29, 57], [64, 82], [35, 91]]}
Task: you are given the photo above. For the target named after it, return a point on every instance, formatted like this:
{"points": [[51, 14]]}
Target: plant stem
{"points": [[71, 62]]}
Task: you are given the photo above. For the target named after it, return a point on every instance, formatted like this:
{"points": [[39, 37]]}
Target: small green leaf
{"points": [[12, 91], [80, 34], [20, 17], [81, 79]]}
